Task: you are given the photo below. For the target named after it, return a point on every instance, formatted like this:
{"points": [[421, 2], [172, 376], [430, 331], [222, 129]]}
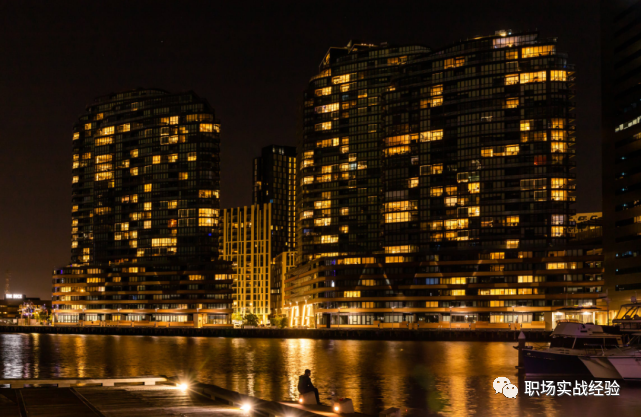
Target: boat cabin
{"points": [[570, 335]]}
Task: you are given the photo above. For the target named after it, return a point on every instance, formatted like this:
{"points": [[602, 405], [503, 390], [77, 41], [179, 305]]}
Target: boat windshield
{"points": [[562, 342], [608, 342], [628, 312]]}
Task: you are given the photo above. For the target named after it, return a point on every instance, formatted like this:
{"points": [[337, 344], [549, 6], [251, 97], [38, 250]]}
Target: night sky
{"points": [[250, 60]]}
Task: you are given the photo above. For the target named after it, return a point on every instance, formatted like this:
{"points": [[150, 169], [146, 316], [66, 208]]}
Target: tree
{"points": [[251, 319], [237, 318]]}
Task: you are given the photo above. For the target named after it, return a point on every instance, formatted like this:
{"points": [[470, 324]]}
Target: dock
{"points": [[140, 397]]}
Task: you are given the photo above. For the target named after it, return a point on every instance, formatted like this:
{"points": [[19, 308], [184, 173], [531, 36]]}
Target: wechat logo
{"points": [[503, 386]]}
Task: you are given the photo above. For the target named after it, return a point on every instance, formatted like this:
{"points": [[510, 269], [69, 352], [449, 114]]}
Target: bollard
{"points": [[520, 348]]}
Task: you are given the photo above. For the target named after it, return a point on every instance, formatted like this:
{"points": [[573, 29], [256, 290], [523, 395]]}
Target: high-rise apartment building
{"points": [[438, 167], [275, 183], [340, 153], [246, 243], [145, 196], [621, 95]]}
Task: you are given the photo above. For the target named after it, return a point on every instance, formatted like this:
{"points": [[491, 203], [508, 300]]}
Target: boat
{"points": [[629, 317], [618, 363], [570, 342]]}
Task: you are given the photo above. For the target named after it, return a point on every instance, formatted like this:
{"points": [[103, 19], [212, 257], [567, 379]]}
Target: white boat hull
{"points": [[600, 367], [629, 367]]}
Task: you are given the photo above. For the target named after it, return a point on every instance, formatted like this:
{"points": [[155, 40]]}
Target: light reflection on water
{"points": [[446, 378]]}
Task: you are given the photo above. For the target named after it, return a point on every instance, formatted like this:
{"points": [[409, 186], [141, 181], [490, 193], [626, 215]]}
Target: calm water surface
{"points": [[436, 378]]}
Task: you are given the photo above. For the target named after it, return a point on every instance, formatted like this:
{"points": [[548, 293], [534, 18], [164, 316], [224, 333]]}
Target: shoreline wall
{"points": [[352, 334]]}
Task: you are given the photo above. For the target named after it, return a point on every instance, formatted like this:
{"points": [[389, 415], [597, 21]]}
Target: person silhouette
{"points": [[305, 385]]}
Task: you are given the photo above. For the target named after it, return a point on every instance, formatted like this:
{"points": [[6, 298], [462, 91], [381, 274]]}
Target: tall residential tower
{"points": [[437, 185], [621, 75], [145, 196]]}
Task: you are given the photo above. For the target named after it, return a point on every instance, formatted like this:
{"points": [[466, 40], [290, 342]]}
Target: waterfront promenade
{"points": [[323, 333], [140, 397]]}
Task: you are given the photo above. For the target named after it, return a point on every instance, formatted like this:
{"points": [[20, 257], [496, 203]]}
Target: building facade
{"points": [[145, 213], [11, 311], [274, 175], [281, 265], [246, 243], [621, 75], [466, 159]]}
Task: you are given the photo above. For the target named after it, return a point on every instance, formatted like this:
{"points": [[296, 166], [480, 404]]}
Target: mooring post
{"points": [[521, 346]]}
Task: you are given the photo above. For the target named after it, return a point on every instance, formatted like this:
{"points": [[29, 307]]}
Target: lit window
{"points": [[473, 211], [436, 191], [173, 120], [307, 214], [75, 180], [204, 193], [147, 224], [526, 125], [512, 243], [458, 292], [191, 156], [76, 136], [133, 171], [322, 204], [206, 127], [327, 108], [134, 153], [401, 249], [148, 187], [156, 159], [324, 91], [432, 169], [101, 176], [329, 239], [533, 77], [511, 103], [352, 294], [323, 126], [344, 229], [341, 79], [412, 183], [183, 175], [324, 221], [108, 130], [473, 187], [558, 231], [397, 217], [436, 90], [172, 158], [558, 76], [558, 123], [536, 51], [559, 195], [451, 201], [511, 79], [432, 135], [512, 54], [147, 206]]}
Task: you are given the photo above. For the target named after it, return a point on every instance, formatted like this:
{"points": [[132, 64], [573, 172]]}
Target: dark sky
{"points": [[250, 60]]}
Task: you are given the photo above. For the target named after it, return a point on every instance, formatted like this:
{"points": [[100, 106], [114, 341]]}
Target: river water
{"points": [[429, 378]]}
